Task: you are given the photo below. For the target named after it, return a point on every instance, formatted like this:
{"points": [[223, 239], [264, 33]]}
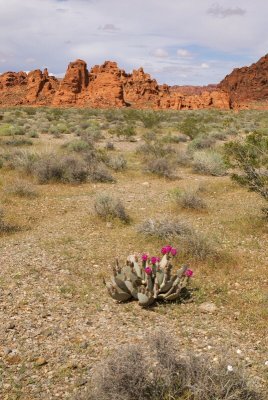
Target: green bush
{"points": [[250, 159]]}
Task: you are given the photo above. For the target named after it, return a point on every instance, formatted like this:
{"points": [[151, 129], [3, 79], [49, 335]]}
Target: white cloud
{"points": [[184, 53], [204, 65], [161, 53]]}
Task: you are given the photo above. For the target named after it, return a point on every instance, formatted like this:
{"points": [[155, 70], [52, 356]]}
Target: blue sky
{"points": [[180, 42]]}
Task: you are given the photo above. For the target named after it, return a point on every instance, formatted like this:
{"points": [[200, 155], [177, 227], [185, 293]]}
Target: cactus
{"points": [[148, 280]]}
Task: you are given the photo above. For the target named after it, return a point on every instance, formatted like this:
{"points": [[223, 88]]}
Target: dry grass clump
{"points": [[189, 199], [99, 173], [192, 243], [164, 229], [108, 207], [22, 188], [208, 163], [159, 372]]}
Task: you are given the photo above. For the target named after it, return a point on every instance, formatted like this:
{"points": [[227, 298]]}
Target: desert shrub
{"points": [[18, 142], [156, 149], [208, 163], [55, 168], [250, 160], [202, 142], [192, 243], [151, 119], [130, 374], [117, 163], [5, 130], [199, 246], [183, 157], [33, 134], [189, 199], [78, 145], [99, 173], [22, 188], [5, 227], [219, 135], [108, 207], [21, 160], [109, 146], [164, 229], [162, 167], [127, 132]]}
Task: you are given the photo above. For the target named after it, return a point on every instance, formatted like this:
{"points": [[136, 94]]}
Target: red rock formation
{"points": [[40, 87], [108, 86], [247, 85], [140, 90], [74, 82], [105, 87]]}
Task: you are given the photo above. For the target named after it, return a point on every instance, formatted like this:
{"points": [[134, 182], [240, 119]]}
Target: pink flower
{"points": [[188, 273], [168, 248], [164, 250], [144, 257], [148, 270], [153, 260], [173, 251], [157, 259]]}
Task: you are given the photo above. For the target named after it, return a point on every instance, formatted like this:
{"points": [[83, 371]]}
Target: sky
{"points": [[181, 42]]}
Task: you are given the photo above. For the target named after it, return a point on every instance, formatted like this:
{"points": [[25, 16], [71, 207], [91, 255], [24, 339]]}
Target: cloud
{"points": [[218, 11], [62, 10], [168, 38], [161, 53], [204, 65], [108, 28], [184, 53]]}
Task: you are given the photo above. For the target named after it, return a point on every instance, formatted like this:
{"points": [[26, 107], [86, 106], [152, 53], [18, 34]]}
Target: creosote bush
{"points": [[157, 371], [108, 207]]}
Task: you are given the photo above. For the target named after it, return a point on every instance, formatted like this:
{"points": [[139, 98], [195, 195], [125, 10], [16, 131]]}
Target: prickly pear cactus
{"points": [[148, 279]]}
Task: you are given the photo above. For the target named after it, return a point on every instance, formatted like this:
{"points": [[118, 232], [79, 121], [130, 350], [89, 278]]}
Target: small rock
{"points": [[11, 325], [208, 307], [40, 361], [109, 225], [145, 183]]}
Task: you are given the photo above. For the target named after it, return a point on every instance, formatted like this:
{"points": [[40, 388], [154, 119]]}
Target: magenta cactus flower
{"points": [[173, 251], [154, 260], [144, 257], [189, 273], [164, 250], [168, 248], [148, 270], [157, 259]]}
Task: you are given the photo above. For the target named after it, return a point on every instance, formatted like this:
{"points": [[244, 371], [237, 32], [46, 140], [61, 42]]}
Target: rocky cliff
{"points": [[107, 86], [248, 86]]}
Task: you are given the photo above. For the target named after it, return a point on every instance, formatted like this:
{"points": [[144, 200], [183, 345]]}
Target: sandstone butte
{"points": [[108, 86]]}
